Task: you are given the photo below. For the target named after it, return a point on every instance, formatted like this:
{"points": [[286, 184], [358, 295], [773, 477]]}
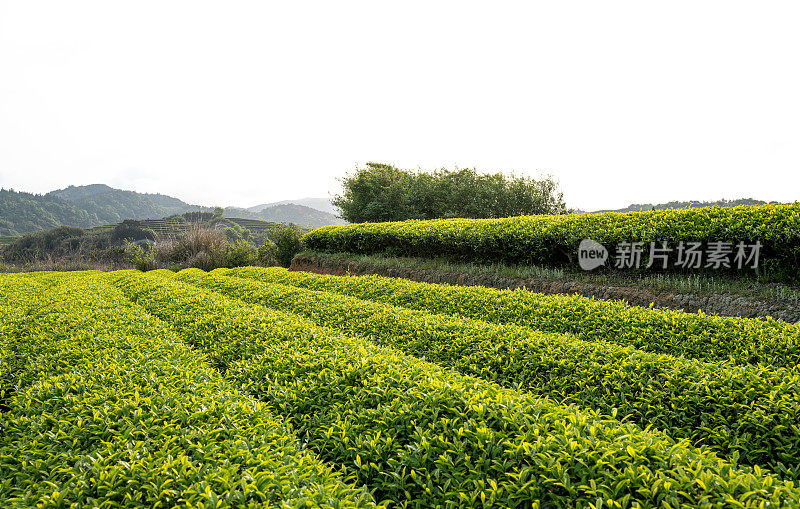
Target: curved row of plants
{"points": [[112, 409], [695, 335], [418, 434], [554, 239], [15, 299], [747, 412]]}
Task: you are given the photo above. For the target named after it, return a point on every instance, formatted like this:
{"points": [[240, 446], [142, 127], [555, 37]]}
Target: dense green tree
{"points": [[381, 192]]}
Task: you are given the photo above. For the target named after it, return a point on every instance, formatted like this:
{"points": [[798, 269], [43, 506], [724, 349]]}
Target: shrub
{"points": [[110, 408], [231, 234], [268, 253], [420, 435], [36, 246], [554, 240], [131, 231], [716, 404], [142, 258], [711, 338], [287, 240], [240, 254], [199, 247]]}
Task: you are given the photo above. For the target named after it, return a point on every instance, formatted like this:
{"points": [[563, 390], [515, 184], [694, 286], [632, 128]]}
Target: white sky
{"points": [[240, 103]]}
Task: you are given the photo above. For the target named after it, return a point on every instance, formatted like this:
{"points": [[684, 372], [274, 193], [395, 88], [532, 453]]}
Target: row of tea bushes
{"points": [[15, 300], [554, 240], [418, 434], [111, 409], [695, 335], [749, 412]]}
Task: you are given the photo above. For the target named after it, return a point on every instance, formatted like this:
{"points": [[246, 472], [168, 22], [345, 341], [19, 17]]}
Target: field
{"points": [[553, 240], [261, 387]]}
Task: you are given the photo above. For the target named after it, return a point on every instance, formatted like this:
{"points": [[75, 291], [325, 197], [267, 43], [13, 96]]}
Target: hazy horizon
{"points": [[295, 200], [249, 103]]}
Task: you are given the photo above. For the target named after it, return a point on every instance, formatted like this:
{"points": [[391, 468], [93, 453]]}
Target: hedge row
{"points": [[425, 436], [695, 335], [748, 412], [111, 409], [14, 297], [553, 240]]}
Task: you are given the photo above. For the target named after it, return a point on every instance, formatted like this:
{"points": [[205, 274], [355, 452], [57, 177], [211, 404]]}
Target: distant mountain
{"points": [[111, 205], [287, 213], [322, 204], [22, 213], [99, 204], [687, 205]]}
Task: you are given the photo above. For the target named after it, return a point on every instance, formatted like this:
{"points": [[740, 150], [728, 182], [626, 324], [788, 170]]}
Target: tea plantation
{"points": [[266, 388]]}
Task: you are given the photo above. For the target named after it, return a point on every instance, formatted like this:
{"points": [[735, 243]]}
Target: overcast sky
{"points": [[240, 103]]}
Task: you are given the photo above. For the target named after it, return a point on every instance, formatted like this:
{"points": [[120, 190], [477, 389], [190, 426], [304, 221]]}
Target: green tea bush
{"points": [[112, 409], [718, 405], [425, 436], [553, 240], [695, 335]]}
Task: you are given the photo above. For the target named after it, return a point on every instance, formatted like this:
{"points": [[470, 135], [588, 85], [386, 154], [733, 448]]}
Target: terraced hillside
{"points": [[171, 227]]}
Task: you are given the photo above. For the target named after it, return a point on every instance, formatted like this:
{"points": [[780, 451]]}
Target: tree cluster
{"points": [[381, 192]]}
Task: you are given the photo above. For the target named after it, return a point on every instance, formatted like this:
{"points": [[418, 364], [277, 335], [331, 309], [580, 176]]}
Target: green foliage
{"points": [[130, 230], [234, 232], [287, 239], [268, 253], [240, 254], [107, 407], [381, 192], [143, 259], [55, 242], [695, 335], [553, 240], [196, 217], [231, 234], [199, 247], [23, 213], [108, 205], [714, 404], [415, 433], [638, 207]]}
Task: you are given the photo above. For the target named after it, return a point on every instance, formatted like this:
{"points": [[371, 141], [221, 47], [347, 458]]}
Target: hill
{"points": [[98, 204], [638, 207], [112, 205], [288, 213], [322, 204], [104, 242], [22, 213]]}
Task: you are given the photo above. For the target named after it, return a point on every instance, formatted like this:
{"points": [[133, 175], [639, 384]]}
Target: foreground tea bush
{"points": [[553, 240], [713, 338], [14, 294], [419, 434], [749, 412], [111, 409]]}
